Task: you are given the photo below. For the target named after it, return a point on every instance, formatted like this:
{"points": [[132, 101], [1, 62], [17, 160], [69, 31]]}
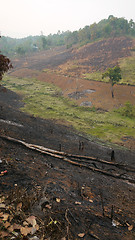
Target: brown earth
{"points": [[85, 195], [94, 56], [59, 63]]}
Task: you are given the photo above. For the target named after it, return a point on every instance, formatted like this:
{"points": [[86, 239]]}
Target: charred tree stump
{"points": [[112, 156]]}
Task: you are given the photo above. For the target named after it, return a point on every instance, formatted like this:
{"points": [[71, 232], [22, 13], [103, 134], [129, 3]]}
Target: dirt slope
{"points": [[65, 68], [95, 56]]}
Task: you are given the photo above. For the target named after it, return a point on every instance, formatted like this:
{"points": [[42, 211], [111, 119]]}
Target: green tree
{"points": [[132, 27], [84, 35], [20, 50], [93, 31], [107, 30], [114, 75], [71, 38], [43, 42]]}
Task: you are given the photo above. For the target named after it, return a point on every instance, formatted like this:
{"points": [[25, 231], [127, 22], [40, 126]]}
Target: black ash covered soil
{"points": [[80, 200]]}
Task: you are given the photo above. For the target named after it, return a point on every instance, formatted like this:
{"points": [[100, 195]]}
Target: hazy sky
{"points": [[21, 18]]}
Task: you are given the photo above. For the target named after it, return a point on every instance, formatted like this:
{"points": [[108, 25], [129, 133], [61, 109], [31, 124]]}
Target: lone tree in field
{"points": [[114, 75], [5, 65]]}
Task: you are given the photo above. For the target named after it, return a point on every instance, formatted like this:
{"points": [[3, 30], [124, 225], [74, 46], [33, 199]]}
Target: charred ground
{"points": [[86, 196]]}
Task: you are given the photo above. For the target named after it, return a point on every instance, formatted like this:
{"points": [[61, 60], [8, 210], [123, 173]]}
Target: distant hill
{"points": [[85, 53], [106, 28]]}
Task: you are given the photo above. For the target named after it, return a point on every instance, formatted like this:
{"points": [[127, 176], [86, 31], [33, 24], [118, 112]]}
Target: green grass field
{"points": [[46, 101]]}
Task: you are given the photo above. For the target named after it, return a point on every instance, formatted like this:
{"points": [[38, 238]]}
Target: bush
{"points": [[128, 110], [69, 46]]}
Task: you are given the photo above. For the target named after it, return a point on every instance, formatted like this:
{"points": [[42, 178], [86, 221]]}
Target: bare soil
{"points": [[59, 70]]}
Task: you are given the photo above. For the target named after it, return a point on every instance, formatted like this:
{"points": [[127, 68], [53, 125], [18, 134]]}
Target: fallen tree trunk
{"points": [[63, 156], [75, 157]]}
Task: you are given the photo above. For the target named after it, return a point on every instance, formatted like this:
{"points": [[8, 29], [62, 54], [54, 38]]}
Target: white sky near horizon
{"points": [[22, 18]]}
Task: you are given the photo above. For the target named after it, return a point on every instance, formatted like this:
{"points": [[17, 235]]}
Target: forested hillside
{"points": [[106, 28]]}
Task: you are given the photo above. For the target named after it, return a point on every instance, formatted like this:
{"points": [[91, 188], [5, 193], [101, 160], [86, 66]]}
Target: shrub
{"points": [[128, 110]]}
